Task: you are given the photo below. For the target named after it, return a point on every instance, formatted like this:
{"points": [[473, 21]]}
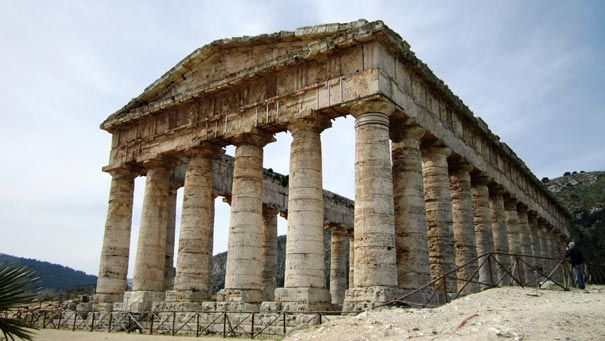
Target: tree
{"points": [[18, 285]]}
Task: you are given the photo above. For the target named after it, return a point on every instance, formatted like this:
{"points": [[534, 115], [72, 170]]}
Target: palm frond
{"points": [[18, 285]]}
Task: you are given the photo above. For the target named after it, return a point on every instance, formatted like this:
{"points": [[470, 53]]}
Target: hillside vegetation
{"points": [[53, 277], [583, 193]]}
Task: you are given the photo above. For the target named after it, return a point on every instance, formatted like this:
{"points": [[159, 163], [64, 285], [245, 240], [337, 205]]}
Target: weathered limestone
{"points": [[243, 279], [553, 246], [375, 259], [169, 270], [524, 237], [409, 208], [194, 260], [496, 203], [464, 226], [269, 282], [483, 227], [148, 281], [544, 247], [304, 279], [534, 237], [338, 280], [116, 239], [439, 215], [351, 259], [236, 91], [511, 220]]}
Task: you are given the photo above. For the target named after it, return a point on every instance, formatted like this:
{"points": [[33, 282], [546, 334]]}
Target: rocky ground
{"points": [[503, 313]]}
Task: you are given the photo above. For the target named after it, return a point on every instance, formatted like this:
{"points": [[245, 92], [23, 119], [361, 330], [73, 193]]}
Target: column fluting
{"points": [[465, 245], [113, 269], [440, 229], [483, 228], [409, 208]]}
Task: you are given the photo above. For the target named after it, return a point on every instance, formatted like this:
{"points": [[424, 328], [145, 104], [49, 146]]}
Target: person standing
{"points": [[577, 259]]}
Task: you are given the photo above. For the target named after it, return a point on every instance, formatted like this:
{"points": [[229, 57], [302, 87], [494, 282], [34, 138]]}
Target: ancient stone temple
{"points": [[434, 187]]}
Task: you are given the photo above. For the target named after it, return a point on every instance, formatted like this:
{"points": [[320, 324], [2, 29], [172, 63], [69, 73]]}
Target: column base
{"points": [[240, 295], [360, 299], [141, 301], [182, 300], [105, 301], [303, 299]]}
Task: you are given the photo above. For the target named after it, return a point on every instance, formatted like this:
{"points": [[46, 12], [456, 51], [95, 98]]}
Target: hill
{"points": [[583, 193], [54, 277]]}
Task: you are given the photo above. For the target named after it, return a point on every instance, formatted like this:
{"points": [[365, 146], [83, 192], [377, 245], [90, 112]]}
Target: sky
{"points": [[533, 70]]}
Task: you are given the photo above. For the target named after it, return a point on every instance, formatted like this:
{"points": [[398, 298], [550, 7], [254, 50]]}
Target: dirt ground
{"points": [[496, 314], [68, 335]]}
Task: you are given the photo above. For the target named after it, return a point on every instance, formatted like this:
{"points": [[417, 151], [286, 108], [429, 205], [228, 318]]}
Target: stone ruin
{"points": [[434, 187]]}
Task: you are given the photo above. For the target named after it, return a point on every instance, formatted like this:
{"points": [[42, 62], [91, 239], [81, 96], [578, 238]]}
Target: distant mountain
{"points": [[54, 277], [583, 193]]}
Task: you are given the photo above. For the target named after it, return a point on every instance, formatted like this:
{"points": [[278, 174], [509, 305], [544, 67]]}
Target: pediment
{"points": [[227, 59]]}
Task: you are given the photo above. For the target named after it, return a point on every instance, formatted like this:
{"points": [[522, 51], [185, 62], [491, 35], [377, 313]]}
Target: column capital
{"points": [[375, 118], [269, 210], [480, 179], [495, 189], [204, 149], [160, 161], [124, 171], [522, 208], [255, 138], [317, 123], [401, 132], [460, 166], [436, 150], [372, 106], [510, 202]]}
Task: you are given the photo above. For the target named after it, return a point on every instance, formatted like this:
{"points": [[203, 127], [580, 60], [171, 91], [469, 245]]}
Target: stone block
{"points": [[303, 299], [186, 296], [141, 301], [270, 306], [237, 295], [360, 299]]}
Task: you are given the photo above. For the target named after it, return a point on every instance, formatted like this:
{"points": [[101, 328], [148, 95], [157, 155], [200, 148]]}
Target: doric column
{"points": [[464, 225], [496, 203], [148, 281], [338, 281], [375, 258], [557, 252], [439, 214], [304, 278], [194, 259], [169, 270], [270, 252], [244, 269], [525, 240], [351, 259], [544, 246], [111, 283], [511, 220], [534, 238], [554, 253], [410, 216], [483, 227]]}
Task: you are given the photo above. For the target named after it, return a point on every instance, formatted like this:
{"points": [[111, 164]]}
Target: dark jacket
{"points": [[575, 256]]}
